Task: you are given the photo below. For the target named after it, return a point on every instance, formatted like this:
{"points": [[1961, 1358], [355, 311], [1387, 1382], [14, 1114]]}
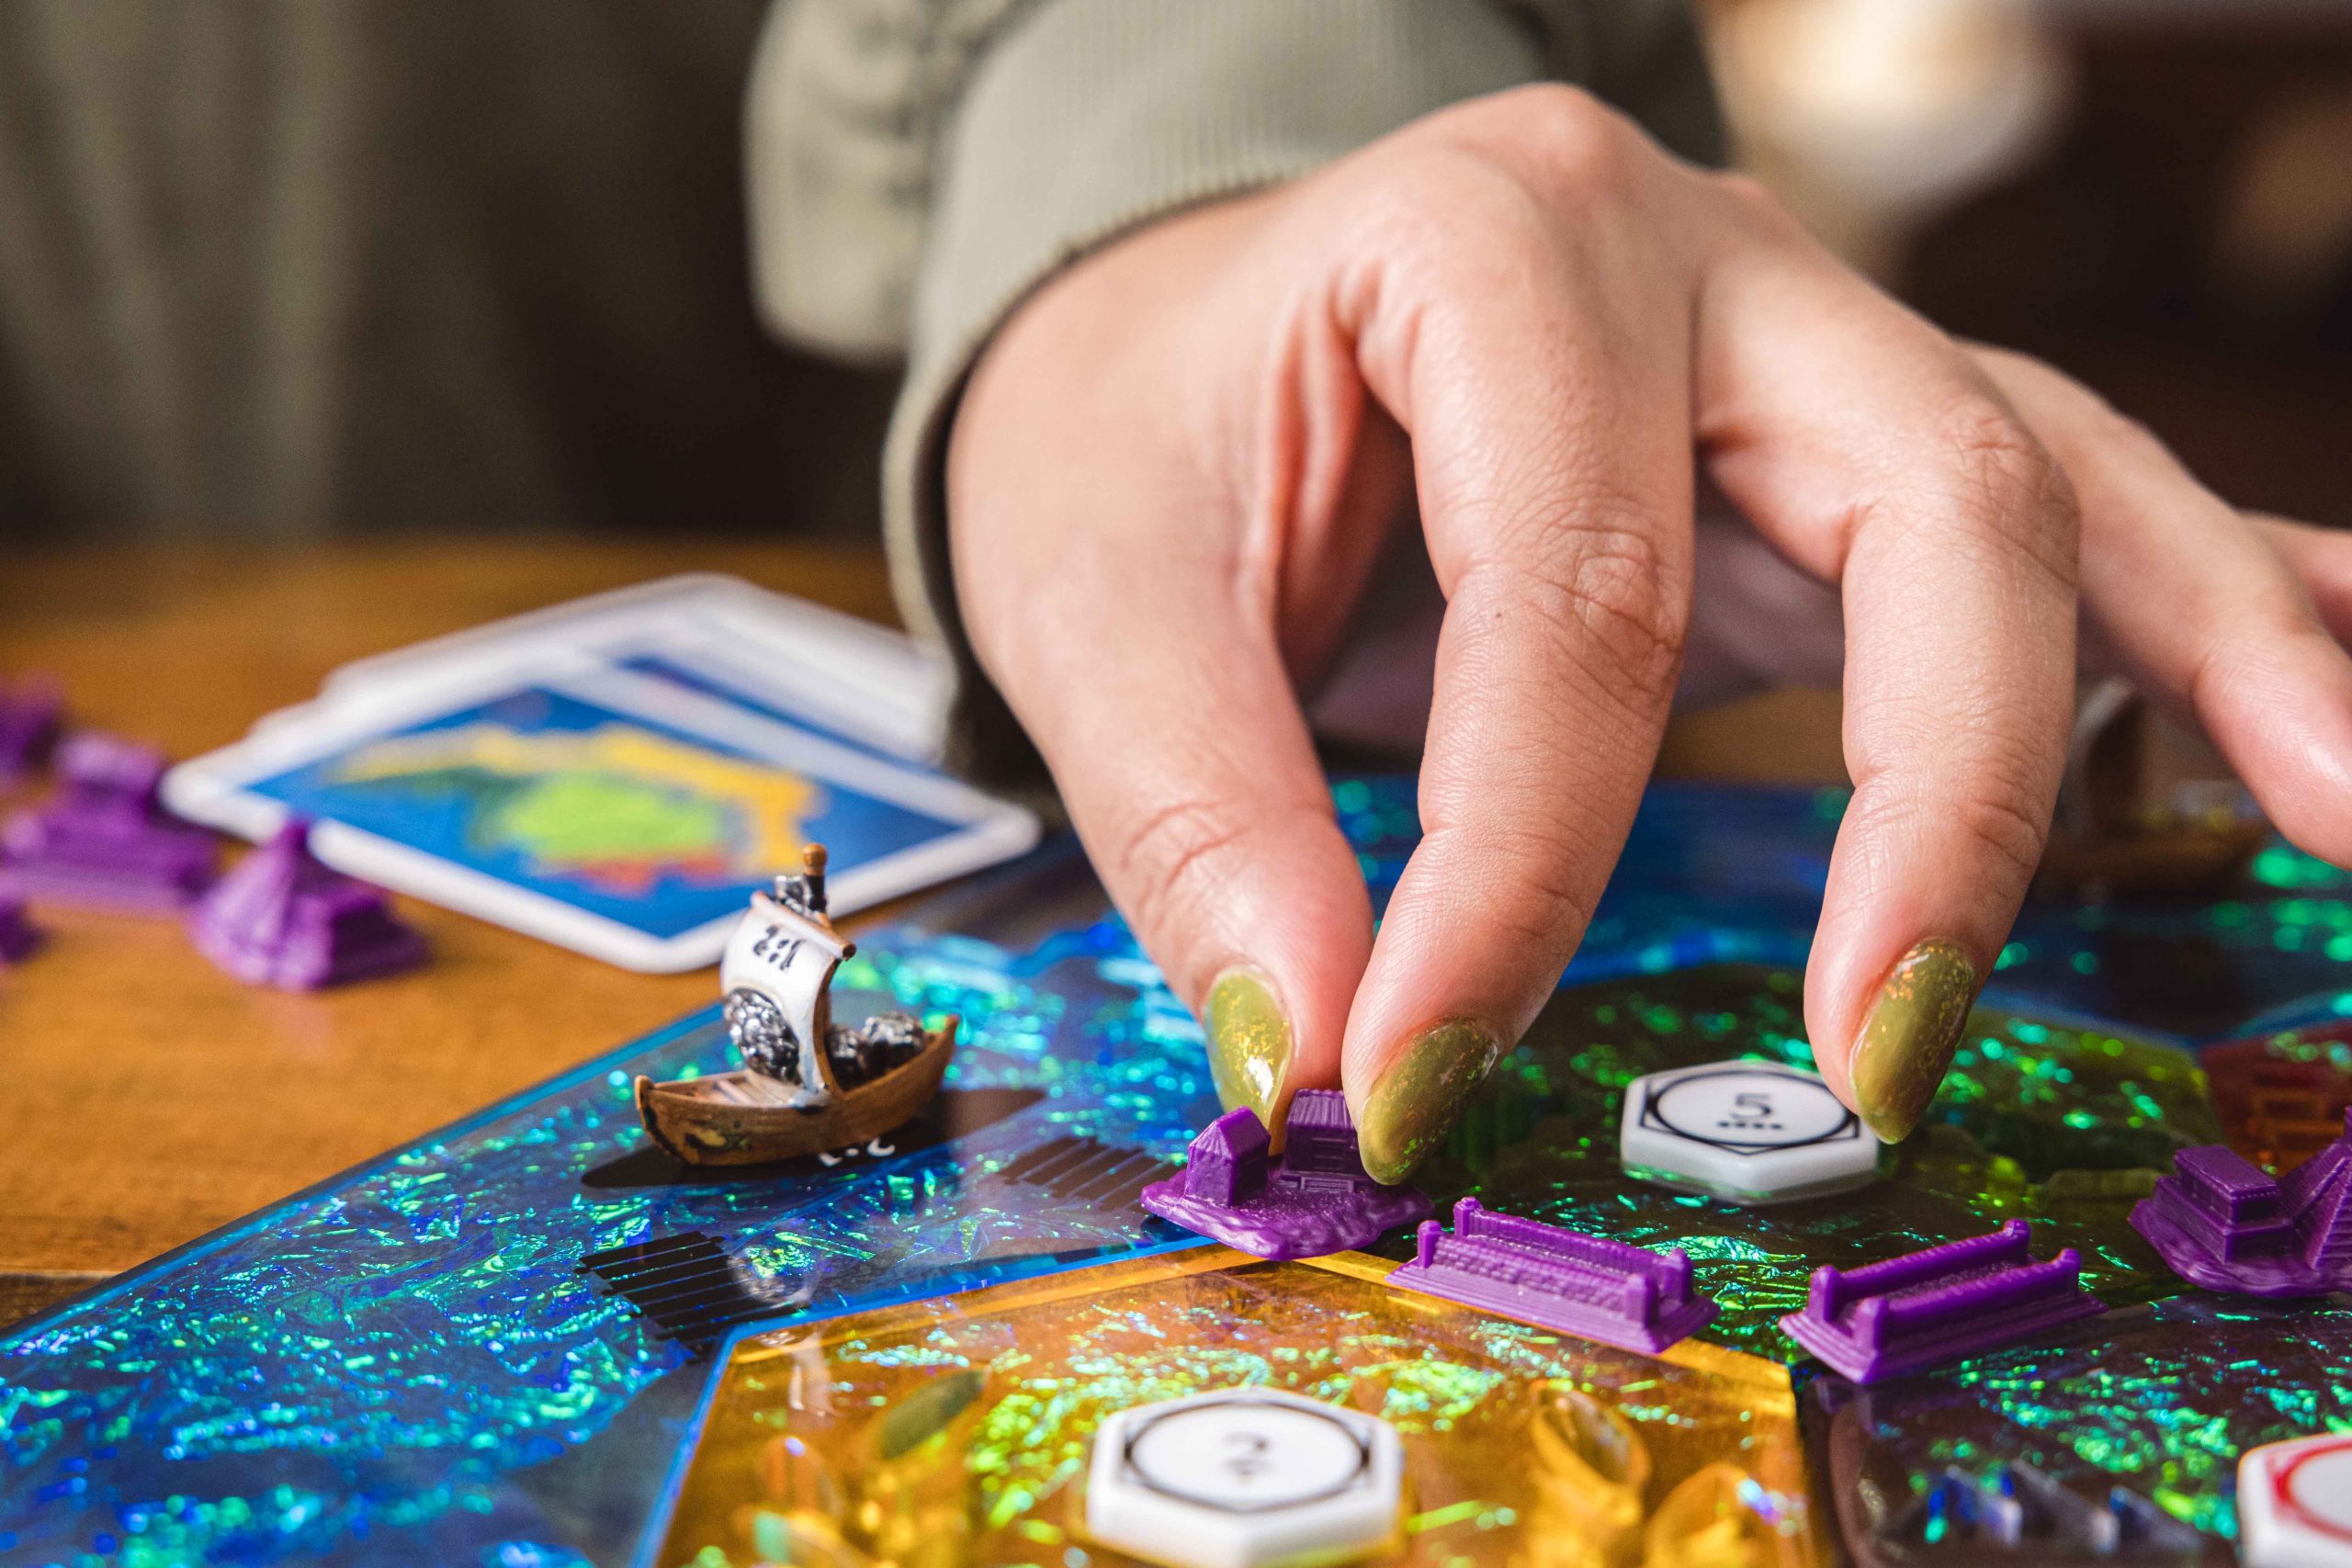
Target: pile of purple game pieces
{"points": [[1587, 1285], [1939, 1305], [1311, 1199], [2223, 1224], [282, 918], [104, 841]]}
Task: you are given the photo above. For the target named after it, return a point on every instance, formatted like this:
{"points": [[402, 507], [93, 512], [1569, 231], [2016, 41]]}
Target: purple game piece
{"points": [[103, 840], [2221, 1223], [1312, 1199], [281, 918], [29, 718], [1586, 1285], [19, 935], [1938, 1305]]}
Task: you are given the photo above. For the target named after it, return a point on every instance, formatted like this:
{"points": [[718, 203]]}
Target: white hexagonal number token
{"points": [[2295, 1504], [1244, 1478], [1750, 1131]]}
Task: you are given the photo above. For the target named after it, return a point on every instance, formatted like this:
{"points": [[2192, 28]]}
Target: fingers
{"points": [[2208, 610], [1140, 650], [1541, 378], [1866, 446]]}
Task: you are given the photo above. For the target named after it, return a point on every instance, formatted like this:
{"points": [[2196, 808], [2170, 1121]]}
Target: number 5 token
{"points": [[2295, 1504], [1752, 1132]]}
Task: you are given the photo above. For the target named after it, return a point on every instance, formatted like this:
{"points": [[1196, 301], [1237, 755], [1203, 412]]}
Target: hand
{"points": [[1521, 321]]}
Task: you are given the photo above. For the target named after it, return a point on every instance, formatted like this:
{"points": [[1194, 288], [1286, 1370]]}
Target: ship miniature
{"points": [[806, 1085]]}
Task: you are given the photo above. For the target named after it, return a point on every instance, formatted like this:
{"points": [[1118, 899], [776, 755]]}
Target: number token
{"points": [[1244, 1478], [2295, 1504], [1753, 1133]]}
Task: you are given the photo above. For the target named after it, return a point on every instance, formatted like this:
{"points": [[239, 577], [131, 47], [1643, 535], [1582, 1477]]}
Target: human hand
{"points": [[1174, 469]]}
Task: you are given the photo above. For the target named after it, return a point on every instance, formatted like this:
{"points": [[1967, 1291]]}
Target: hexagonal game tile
{"points": [[1243, 1478], [1748, 1131], [2295, 1504]]}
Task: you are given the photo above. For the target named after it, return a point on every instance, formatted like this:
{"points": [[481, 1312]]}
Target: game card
{"points": [[626, 812]]}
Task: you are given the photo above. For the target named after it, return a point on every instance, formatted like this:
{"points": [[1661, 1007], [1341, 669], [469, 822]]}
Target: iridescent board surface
{"points": [[528, 1339]]}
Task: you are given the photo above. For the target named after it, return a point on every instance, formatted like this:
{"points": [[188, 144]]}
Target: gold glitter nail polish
{"points": [[1249, 1043], [1908, 1039], [1422, 1093]]}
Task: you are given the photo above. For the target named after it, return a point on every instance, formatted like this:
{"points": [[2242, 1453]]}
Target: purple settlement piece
{"points": [[104, 841], [19, 935], [29, 718], [1586, 1285], [281, 918], [1312, 1199], [1938, 1305], [2221, 1223]]}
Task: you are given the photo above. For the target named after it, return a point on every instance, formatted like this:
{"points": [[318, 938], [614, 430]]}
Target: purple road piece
{"points": [[1938, 1305], [1312, 1199], [29, 719], [103, 840], [281, 918], [19, 935], [2221, 1223], [1586, 1285]]}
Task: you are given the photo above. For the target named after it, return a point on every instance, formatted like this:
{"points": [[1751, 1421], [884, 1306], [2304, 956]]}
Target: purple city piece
{"points": [[2221, 1223], [1312, 1199], [29, 719], [103, 840], [1938, 1305], [1586, 1285], [19, 935], [281, 918]]}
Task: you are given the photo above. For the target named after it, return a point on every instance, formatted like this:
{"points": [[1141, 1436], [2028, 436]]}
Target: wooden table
{"points": [[145, 1098]]}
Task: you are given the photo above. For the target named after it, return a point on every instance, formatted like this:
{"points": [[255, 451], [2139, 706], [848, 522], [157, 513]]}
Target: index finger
{"points": [[1545, 388]]}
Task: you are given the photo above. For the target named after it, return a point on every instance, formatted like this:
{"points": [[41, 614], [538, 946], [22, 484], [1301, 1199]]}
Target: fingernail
{"points": [[1421, 1094], [1907, 1042], [1249, 1043]]}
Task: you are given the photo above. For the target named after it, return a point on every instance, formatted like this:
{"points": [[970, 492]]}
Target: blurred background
{"points": [[294, 269]]}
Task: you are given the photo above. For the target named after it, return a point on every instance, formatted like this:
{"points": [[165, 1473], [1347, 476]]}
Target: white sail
{"points": [[784, 959]]}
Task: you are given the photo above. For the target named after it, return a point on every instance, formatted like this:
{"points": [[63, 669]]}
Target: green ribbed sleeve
{"points": [[916, 167]]}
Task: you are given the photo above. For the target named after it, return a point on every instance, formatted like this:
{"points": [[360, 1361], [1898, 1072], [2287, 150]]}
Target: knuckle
{"points": [[1165, 857], [1564, 136], [2010, 485], [1990, 818], [1758, 204], [1600, 596], [1542, 902], [2008, 833], [1583, 142]]}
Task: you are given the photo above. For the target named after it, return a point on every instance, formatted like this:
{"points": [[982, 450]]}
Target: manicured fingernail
{"points": [[1910, 1035], [1421, 1094], [1249, 1043]]}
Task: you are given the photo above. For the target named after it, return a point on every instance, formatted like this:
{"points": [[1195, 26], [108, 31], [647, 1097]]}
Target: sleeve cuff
{"points": [[1088, 117]]}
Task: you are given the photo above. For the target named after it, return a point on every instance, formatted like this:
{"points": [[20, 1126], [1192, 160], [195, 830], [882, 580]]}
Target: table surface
{"points": [[145, 1098]]}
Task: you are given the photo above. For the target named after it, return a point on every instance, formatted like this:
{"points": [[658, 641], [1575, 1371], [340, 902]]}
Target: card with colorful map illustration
{"points": [[613, 810]]}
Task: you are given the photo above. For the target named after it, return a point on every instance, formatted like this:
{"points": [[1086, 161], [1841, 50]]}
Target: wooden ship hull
{"points": [[718, 1121]]}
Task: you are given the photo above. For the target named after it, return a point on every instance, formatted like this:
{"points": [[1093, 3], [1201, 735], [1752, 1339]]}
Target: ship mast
{"points": [[786, 952]]}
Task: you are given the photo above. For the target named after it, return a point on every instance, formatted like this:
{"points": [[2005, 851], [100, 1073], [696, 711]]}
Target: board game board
{"points": [[529, 1339]]}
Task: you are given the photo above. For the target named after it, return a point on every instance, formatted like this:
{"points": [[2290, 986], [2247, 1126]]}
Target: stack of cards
{"points": [[617, 774]]}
